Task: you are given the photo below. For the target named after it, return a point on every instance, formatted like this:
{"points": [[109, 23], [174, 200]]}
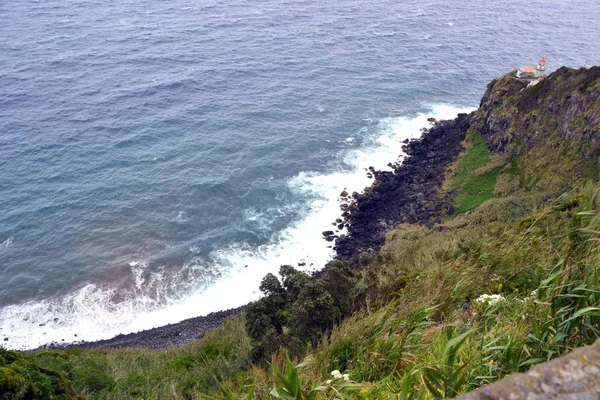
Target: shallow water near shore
{"points": [[158, 159]]}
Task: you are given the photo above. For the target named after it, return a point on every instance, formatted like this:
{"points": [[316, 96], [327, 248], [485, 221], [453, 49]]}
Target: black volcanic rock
{"points": [[409, 194]]}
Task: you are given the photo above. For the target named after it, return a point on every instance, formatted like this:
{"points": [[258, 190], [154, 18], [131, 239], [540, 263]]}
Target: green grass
{"points": [[421, 344], [472, 182], [176, 373], [22, 378]]}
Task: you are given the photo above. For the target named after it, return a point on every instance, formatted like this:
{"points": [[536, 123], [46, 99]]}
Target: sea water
{"points": [[158, 158]]}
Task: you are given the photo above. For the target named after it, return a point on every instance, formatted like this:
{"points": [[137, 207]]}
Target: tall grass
{"points": [[176, 373], [423, 344]]}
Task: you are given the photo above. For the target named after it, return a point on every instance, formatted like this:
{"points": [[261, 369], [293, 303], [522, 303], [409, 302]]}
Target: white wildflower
{"points": [[346, 377], [533, 294], [489, 299], [328, 381], [336, 374]]}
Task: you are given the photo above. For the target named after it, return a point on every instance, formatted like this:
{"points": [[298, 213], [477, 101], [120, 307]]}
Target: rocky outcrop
{"points": [[574, 376], [566, 104], [409, 194], [550, 129]]}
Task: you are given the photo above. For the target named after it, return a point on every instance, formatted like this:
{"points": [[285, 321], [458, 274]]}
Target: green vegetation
{"points": [[475, 177], [22, 379], [297, 310], [437, 312], [177, 373], [533, 305]]}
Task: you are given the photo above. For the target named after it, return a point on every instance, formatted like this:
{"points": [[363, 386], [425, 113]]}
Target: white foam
{"points": [[95, 313], [385, 33], [137, 270], [181, 217], [6, 243]]}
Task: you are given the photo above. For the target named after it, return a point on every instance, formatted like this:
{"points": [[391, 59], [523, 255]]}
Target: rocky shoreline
{"points": [[162, 337], [409, 194]]}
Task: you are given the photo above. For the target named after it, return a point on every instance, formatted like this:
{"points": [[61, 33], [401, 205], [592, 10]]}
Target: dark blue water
{"points": [[158, 158]]}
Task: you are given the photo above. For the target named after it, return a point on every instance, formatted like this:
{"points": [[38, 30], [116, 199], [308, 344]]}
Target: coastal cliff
{"points": [[553, 127], [563, 107], [477, 258], [549, 130]]}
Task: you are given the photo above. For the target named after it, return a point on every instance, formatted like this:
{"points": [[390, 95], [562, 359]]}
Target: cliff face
{"points": [[553, 127], [565, 104], [547, 135]]}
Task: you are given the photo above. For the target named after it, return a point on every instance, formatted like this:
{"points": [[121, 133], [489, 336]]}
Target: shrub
{"points": [[341, 355], [313, 312], [21, 379], [92, 375], [299, 309]]}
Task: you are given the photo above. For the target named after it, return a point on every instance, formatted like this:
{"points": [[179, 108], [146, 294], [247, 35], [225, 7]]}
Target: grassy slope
{"points": [[533, 227], [178, 373], [397, 343], [474, 178]]}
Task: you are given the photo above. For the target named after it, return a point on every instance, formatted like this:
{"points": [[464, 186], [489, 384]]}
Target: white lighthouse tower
{"points": [[540, 69]]}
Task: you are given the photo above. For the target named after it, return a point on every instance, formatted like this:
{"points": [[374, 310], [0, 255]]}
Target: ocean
{"points": [[158, 158]]}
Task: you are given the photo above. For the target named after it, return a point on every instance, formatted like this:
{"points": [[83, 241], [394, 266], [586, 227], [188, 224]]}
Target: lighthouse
{"points": [[540, 69], [533, 73]]}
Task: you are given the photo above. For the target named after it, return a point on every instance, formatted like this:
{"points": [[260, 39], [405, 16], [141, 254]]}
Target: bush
{"points": [[341, 286], [21, 379], [313, 312], [298, 310], [341, 355], [92, 375]]}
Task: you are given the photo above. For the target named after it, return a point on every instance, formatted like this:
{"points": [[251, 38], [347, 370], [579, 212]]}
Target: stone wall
{"points": [[575, 376]]}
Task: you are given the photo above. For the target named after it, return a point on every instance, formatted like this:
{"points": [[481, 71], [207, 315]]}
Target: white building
{"points": [[533, 73]]}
